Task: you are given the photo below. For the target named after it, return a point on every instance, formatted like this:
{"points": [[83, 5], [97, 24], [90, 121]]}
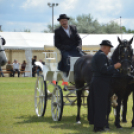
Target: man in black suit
{"points": [[34, 66], [98, 99], [68, 41]]}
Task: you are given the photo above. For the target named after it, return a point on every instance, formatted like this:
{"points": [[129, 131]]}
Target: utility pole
{"points": [[52, 5]]}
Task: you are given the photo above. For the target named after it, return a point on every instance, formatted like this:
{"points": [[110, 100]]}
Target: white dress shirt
{"points": [[15, 66], [67, 31]]}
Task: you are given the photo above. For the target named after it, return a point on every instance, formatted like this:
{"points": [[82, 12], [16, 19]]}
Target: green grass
{"points": [[17, 115]]}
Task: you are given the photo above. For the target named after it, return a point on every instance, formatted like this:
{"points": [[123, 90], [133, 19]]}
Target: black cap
{"points": [[106, 43], [63, 16]]}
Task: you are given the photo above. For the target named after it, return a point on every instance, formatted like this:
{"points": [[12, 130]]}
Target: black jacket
{"points": [[100, 65], [63, 42]]}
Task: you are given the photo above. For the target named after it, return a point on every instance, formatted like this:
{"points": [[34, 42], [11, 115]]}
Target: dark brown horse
{"points": [[83, 73], [121, 79], [129, 90]]}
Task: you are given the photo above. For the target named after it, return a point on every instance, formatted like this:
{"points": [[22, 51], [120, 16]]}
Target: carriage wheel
{"points": [[57, 104], [40, 96]]}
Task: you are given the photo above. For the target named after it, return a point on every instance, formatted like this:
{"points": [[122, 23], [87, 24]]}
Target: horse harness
{"points": [[125, 59]]}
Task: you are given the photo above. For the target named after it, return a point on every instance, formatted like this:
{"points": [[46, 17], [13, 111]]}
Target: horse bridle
{"points": [[121, 61]]}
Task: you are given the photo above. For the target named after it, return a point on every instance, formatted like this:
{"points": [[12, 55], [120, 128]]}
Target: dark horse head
{"points": [[123, 54]]}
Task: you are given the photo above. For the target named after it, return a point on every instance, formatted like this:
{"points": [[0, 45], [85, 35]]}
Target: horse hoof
{"points": [[124, 121], [118, 126], [78, 122]]}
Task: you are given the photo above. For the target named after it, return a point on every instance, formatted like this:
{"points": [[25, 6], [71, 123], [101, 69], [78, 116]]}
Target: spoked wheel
{"points": [[40, 97], [57, 104]]}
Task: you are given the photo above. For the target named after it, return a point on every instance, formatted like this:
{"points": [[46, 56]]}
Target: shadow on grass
{"points": [[68, 123], [48, 119]]}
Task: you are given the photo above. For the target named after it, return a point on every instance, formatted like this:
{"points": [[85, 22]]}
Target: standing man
{"points": [[34, 66], [99, 96], [68, 41]]}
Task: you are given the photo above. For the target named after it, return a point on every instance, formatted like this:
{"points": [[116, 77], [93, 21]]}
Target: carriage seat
{"points": [[53, 58]]}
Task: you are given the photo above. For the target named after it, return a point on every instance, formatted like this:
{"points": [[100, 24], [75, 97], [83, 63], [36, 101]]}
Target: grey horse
{"points": [[3, 58]]}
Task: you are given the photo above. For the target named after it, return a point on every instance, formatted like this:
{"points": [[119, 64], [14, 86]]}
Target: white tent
{"points": [[36, 41]]}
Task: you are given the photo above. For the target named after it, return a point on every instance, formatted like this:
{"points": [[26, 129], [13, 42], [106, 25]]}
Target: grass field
{"points": [[17, 115]]}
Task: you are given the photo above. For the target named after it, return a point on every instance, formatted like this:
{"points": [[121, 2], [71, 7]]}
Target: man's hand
{"points": [[78, 48], [117, 65]]}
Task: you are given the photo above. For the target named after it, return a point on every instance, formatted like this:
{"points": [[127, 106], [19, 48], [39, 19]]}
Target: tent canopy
{"points": [[36, 41]]}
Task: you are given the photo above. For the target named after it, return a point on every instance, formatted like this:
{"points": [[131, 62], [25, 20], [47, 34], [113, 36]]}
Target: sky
{"points": [[18, 15]]}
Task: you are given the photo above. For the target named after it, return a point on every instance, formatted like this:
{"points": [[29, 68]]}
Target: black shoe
{"points": [[98, 129], [124, 121]]}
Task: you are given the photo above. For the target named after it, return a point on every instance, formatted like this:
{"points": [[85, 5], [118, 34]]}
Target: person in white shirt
{"points": [[16, 68]]}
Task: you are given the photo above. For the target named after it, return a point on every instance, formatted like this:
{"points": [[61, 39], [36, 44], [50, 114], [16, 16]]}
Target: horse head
{"points": [[3, 58], [123, 54]]}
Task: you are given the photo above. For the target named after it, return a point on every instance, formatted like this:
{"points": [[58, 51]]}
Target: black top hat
{"points": [[106, 43], [63, 16]]}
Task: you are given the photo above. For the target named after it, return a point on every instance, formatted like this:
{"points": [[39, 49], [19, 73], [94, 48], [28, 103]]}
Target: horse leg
{"points": [[117, 118], [79, 92], [124, 108], [133, 111]]}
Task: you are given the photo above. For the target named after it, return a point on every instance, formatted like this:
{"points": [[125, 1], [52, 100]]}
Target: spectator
{"points": [[38, 68], [23, 66], [1, 73], [9, 67], [16, 68], [34, 66]]}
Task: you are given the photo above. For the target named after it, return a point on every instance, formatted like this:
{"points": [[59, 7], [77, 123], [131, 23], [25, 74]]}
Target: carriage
{"points": [[51, 75]]}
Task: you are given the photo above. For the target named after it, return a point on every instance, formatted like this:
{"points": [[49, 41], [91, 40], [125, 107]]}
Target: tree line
{"points": [[87, 24]]}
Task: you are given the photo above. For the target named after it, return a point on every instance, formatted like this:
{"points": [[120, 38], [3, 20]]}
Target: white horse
{"points": [[3, 58]]}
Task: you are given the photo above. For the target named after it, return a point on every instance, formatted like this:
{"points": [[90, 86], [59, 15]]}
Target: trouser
{"points": [[33, 71], [1, 73], [64, 64], [11, 74], [38, 71], [16, 70]]}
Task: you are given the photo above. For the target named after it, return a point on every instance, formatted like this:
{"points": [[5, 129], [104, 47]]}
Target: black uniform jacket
{"points": [[64, 42], [100, 65]]}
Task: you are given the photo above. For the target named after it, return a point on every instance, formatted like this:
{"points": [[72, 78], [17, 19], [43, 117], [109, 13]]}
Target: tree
{"points": [[130, 31], [86, 24], [27, 30]]}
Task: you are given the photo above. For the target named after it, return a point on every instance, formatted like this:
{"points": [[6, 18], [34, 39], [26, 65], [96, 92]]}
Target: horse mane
{"points": [[115, 55]]}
